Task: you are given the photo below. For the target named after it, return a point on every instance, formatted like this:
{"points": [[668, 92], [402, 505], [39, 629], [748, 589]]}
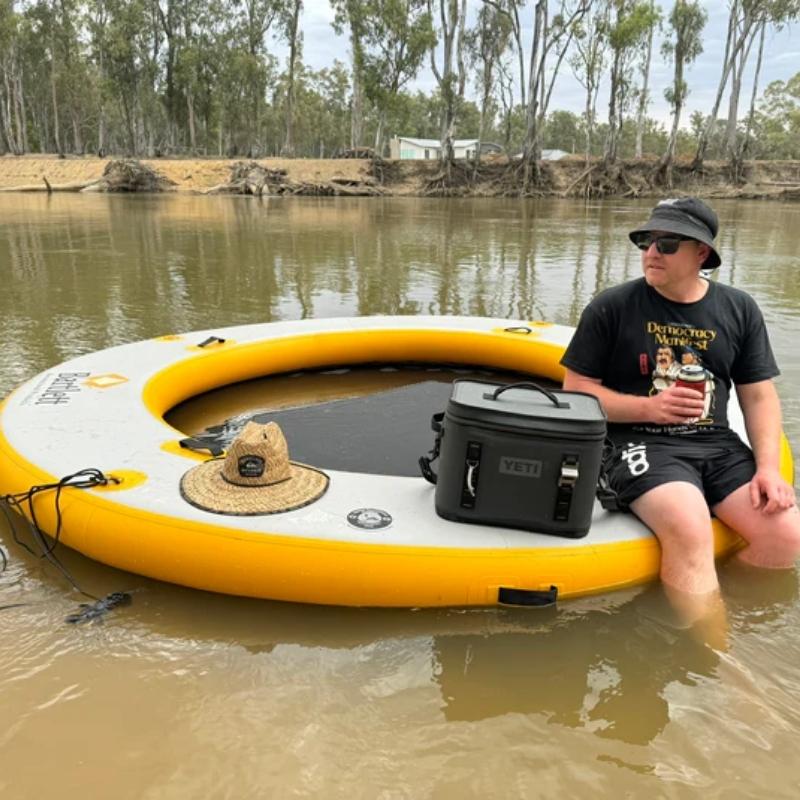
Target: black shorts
{"points": [[716, 468]]}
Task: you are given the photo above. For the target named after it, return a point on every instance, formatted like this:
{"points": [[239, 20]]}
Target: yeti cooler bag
{"points": [[517, 456]]}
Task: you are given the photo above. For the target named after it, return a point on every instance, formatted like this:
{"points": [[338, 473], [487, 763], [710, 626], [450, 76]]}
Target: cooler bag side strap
{"points": [[527, 385], [425, 462], [565, 488], [527, 597]]}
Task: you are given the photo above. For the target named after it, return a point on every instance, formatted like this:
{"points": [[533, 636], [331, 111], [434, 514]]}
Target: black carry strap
{"points": [[197, 445], [526, 385], [425, 462], [565, 488], [608, 498], [527, 597]]}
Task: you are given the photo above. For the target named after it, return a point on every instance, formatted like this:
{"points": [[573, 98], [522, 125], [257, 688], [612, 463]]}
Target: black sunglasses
{"points": [[666, 245]]}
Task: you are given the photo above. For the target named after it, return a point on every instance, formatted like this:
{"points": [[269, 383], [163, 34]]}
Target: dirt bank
{"points": [[497, 177]]}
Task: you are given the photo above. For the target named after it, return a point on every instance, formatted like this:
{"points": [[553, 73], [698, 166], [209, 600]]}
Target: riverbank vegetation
{"points": [[166, 78]]}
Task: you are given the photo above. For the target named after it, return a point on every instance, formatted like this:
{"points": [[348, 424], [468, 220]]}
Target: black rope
{"points": [[23, 502]]}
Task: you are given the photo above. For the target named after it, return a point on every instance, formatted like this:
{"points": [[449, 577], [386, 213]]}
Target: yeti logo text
{"points": [[636, 456], [521, 467]]}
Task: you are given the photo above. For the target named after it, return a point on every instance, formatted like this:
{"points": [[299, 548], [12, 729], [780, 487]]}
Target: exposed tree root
{"points": [[121, 175], [129, 175], [252, 178]]}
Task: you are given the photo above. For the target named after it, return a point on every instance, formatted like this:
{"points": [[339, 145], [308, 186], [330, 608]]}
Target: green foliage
{"points": [[777, 121], [201, 76]]}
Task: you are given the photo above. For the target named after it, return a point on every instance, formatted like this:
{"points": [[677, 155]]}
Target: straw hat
{"points": [[255, 477]]}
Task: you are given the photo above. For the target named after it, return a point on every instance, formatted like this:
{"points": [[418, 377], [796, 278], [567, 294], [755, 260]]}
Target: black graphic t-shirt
{"points": [[635, 341]]}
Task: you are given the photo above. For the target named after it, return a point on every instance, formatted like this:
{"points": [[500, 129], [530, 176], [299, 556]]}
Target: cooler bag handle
{"points": [[527, 385]]}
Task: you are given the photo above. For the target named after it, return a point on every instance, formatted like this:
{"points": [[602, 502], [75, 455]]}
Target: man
{"points": [[670, 465]]}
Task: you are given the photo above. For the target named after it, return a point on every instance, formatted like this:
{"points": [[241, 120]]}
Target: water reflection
{"points": [[100, 270], [575, 671]]}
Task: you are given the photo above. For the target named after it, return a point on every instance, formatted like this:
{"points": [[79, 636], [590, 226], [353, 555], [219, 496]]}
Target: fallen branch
{"points": [[585, 174], [50, 187]]}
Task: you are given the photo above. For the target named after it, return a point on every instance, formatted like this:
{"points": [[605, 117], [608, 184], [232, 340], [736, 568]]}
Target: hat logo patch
{"points": [[251, 466]]}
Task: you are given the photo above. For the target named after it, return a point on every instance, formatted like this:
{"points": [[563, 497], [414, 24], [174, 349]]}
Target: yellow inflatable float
{"points": [[356, 539]]}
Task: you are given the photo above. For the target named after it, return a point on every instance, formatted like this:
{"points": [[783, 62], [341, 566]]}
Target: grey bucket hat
{"points": [[686, 216]]}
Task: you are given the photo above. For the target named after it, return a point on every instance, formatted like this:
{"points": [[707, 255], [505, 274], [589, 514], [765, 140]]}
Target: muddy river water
{"points": [[185, 694]]}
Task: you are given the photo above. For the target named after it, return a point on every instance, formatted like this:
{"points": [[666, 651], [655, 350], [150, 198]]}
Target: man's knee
{"points": [[678, 514], [784, 533]]}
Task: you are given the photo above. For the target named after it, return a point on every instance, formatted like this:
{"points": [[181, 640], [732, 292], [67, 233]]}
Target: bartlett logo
{"points": [[105, 381]]}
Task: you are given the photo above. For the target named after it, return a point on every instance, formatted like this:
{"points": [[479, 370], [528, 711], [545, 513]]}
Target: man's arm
{"points": [[762, 418], [674, 406]]}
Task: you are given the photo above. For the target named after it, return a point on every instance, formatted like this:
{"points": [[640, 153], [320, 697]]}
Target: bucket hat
{"points": [[255, 477], [686, 216]]}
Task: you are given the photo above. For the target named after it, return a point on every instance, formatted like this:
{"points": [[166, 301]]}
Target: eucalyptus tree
{"points": [[548, 35], [396, 36], [348, 13], [776, 14], [248, 62], [13, 132], [131, 49], [55, 26], [687, 20], [510, 10], [294, 38], [744, 20], [452, 76], [742, 151], [631, 20], [197, 69], [486, 45], [643, 91], [588, 60]]}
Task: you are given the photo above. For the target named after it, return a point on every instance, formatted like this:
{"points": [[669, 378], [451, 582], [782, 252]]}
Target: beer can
{"points": [[692, 376]]}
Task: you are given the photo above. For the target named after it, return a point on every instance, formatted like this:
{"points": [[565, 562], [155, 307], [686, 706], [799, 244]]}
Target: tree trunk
{"points": [[532, 132], [357, 106], [743, 151], [77, 136], [56, 132], [732, 47], [643, 98], [520, 52], [12, 121], [737, 73], [451, 78], [589, 113], [610, 154], [669, 156], [288, 146], [191, 118], [5, 147], [379, 134]]}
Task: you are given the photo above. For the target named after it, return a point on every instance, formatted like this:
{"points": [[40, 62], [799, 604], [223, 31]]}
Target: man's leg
{"points": [[773, 539], [677, 514]]}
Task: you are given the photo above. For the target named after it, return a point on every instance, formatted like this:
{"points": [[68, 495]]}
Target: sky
{"points": [[781, 61]]}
